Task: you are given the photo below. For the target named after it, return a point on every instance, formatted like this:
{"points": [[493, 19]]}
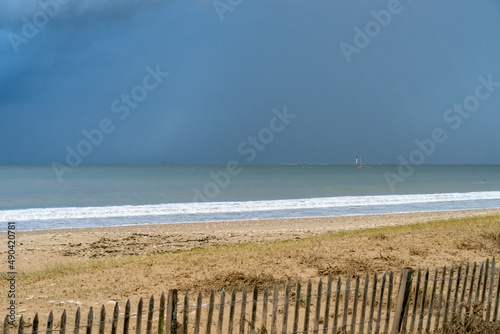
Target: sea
{"points": [[118, 195]]}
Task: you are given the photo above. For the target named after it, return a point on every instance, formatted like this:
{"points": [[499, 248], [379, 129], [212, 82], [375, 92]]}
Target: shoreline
{"points": [[179, 227], [39, 249]]}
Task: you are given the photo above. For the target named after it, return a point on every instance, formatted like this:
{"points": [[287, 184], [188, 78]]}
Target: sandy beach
{"points": [[70, 268], [38, 249]]}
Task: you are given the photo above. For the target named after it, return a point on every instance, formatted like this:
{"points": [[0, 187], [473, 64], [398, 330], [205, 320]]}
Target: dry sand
{"points": [[39, 249], [118, 263]]}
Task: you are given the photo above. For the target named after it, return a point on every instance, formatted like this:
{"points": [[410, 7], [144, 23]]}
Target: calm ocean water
{"points": [[93, 196]]}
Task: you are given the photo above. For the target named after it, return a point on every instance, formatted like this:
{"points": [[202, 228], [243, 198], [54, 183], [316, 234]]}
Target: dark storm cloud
{"points": [[227, 76]]}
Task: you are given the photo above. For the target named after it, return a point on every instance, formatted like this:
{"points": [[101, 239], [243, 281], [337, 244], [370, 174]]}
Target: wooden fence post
{"points": [[171, 311], [221, 312], [62, 330], [297, 309], [363, 305], [173, 324], [185, 313], [318, 308], [211, 306], [490, 293], [402, 299], [126, 318], [284, 327], [102, 320], [161, 316], [90, 321], [243, 312], [6, 325], [253, 318], [138, 322], [264, 307], [274, 328], [497, 301], [151, 308], [50, 323], [34, 328], [76, 329], [114, 324]]}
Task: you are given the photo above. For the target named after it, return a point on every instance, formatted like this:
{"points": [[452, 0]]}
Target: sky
{"points": [[283, 81]]}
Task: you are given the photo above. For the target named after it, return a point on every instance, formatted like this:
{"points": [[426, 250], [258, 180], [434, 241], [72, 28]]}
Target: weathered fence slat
{"points": [[479, 280], [440, 299], [448, 293], [173, 315], [62, 329], [253, 317], [102, 320], [149, 324], [381, 299], [168, 322], [5, 329], [185, 314], [471, 285], [220, 321], [431, 305], [464, 289], [274, 316], [372, 303], [232, 306], [318, 308], [389, 300], [50, 322], [264, 306], [422, 305], [355, 304], [497, 302], [161, 315], [243, 310], [114, 323], [345, 310], [455, 296], [76, 329], [197, 317], [284, 327], [211, 302], [415, 302], [297, 309], [402, 300], [485, 283], [308, 306], [34, 329], [138, 322], [363, 304], [327, 305], [490, 291], [90, 321], [126, 318], [336, 311]]}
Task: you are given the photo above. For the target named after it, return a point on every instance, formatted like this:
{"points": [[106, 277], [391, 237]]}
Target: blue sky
{"points": [[226, 76]]}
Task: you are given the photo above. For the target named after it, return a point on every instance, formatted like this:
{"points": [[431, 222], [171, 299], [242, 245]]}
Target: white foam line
{"points": [[222, 207]]}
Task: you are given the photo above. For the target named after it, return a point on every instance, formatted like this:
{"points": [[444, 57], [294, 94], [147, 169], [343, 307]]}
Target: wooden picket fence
{"points": [[415, 302]]}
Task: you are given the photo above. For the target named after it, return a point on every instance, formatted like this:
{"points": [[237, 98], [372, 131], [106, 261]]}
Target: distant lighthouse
{"points": [[357, 161]]}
